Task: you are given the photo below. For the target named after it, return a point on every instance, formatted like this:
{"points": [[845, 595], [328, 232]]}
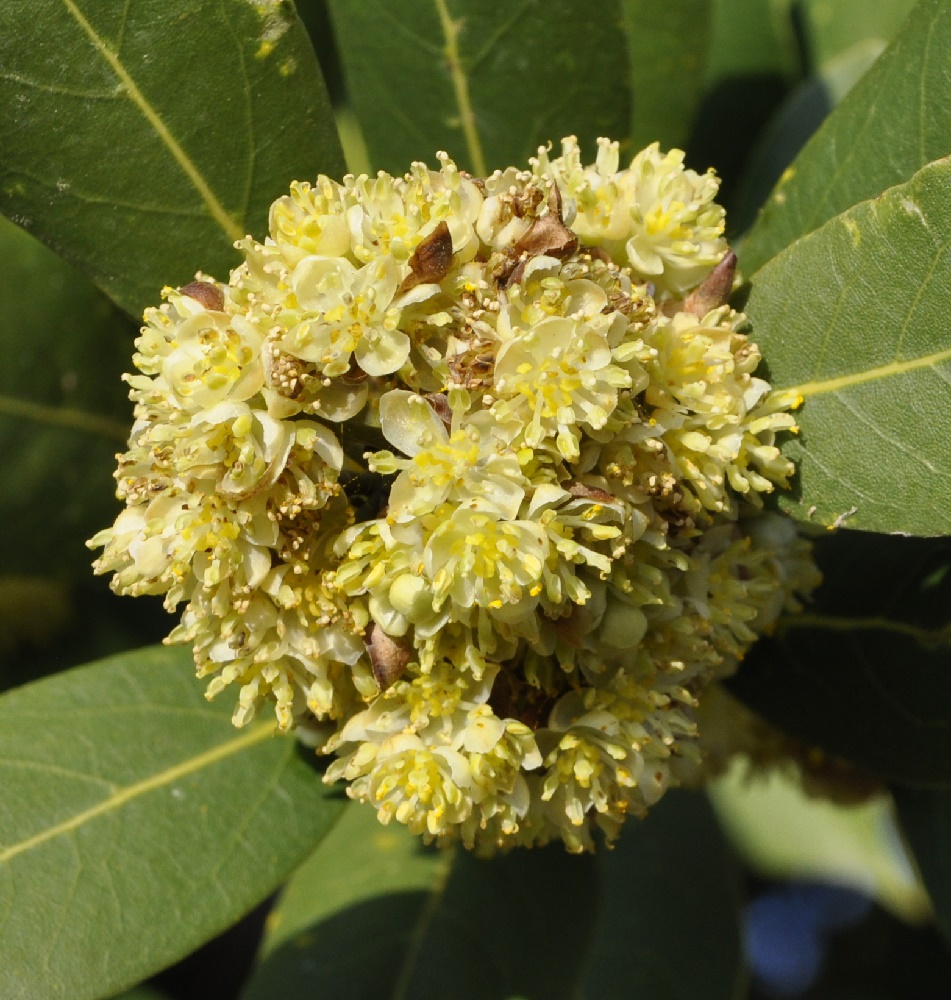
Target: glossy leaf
{"points": [[853, 318], [865, 672], [140, 140], [896, 120], [136, 823], [668, 55], [359, 860], [64, 409], [486, 82], [668, 924], [925, 817], [374, 914]]}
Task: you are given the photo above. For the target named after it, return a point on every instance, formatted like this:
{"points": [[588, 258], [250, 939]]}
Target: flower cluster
{"points": [[464, 476]]}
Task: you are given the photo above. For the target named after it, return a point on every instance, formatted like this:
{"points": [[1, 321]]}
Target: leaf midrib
{"points": [[836, 383], [233, 230], [839, 382], [64, 416], [460, 87], [119, 798], [421, 927]]}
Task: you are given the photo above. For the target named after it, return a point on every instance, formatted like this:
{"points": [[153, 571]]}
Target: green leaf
{"points": [[359, 860], [668, 52], [64, 413], [751, 64], [785, 834], [752, 39], [140, 140], [143, 993], [64, 410], [668, 924], [136, 823], [487, 82], [925, 817], [374, 914], [834, 27], [895, 120], [803, 111], [853, 318], [865, 672]]}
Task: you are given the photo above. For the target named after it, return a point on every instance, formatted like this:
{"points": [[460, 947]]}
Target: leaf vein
{"points": [[460, 86], [64, 416], [52, 88], [240, 743], [50, 941], [62, 772], [901, 446], [848, 486], [215, 209], [425, 918], [500, 32], [385, 11], [923, 284], [893, 368], [844, 288], [835, 175], [111, 202], [923, 75], [248, 113], [253, 810], [888, 696], [874, 623]]}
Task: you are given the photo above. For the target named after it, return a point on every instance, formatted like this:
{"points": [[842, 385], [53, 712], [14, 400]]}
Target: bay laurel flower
{"points": [[463, 479], [655, 215], [557, 379], [468, 461]]}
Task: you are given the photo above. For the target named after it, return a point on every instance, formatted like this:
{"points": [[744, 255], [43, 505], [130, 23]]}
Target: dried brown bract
{"points": [[431, 260]]}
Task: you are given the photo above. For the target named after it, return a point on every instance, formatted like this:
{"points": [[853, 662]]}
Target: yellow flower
{"points": [[478, 558], [656, 215], [676, 227], [469, 462], [345, 312]]}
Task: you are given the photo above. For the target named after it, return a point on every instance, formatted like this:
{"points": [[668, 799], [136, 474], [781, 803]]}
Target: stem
{"points": [[832, 623], [64, 416], [460, 85]]}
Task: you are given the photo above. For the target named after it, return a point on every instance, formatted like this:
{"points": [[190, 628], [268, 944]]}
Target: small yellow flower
{"points": [[477, 558], [557, 379], [655, 215], [470, 462]]}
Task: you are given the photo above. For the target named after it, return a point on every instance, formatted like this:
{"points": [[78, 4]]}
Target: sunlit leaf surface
{"points": [[853, 319], [895, 120], [141, 140], [486, 82], [137, 822]]}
